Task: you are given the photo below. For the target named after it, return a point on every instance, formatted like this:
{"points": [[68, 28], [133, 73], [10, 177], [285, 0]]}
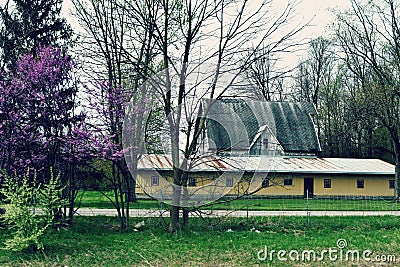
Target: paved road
{"points": [[238, 213]]}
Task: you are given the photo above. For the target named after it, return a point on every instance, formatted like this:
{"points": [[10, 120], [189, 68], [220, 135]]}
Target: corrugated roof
{"points": [[163, 162], [291, 123], [333, 165], [275, 165]]}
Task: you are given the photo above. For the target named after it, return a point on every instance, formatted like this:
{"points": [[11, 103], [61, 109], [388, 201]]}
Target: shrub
{"points": [[30, 208]]}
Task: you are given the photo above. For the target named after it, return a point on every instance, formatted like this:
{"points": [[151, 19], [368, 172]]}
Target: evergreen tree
{"points": [[26, 24]]}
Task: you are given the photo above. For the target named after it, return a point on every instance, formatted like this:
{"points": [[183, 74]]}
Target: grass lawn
{"points": [[97, 200], [94, 199], [98, 241]]}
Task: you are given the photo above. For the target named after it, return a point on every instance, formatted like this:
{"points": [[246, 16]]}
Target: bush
{"points": [[29, 210]]}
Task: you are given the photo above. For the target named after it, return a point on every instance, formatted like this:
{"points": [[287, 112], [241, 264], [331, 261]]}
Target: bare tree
{"points": [[264, 79], [369, 37], [314, 69], [190, 36], [115, 56], [313, 73]]}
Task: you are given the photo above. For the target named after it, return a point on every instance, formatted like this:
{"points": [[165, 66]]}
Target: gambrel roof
{"points": [[233, 120]]}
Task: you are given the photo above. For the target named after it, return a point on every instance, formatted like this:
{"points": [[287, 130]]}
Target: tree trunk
{"points": [[185, 216], [370, 142], [397, 174], [71, 208], [174, 219], [72, 194], [396, 145], [176, 201], [132, 191], [185, 210], [174, 213], [176, 190]]}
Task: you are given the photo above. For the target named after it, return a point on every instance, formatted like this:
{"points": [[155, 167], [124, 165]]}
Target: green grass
{"points": [[98, 241], [313, 204], [94, 199], [97, 200]]}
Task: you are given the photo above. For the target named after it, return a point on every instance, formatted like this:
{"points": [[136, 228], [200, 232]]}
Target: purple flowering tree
{"points": [[38, 116], [106, 105]]}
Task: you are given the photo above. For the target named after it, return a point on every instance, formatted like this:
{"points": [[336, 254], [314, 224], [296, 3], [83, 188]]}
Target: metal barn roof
{"points": [[291, 122], [334, 165], [274, 164]]}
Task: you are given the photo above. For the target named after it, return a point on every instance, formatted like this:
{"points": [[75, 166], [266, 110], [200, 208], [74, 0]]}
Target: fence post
{"points": [[160, 208], [308, 210], [247, 207]]}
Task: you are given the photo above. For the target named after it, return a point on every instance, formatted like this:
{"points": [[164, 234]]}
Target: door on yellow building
{"points": [[309, 187]]}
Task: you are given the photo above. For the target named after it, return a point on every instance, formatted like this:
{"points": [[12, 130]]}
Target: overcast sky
{"points": [[318, 10], [306, 9]]}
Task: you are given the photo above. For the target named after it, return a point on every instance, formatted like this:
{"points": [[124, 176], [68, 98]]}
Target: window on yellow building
{"points": [[155, 180], [192, 181], [327, 183], [391, 184], [288, 181], [229, 182], [360, 183]]}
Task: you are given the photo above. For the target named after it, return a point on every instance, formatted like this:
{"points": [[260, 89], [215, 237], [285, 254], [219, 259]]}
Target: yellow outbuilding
{"points": [[263, 148], [276, 176]]}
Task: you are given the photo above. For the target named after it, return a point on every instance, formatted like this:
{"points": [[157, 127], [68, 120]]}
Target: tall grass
{"points": [[98, 241]]}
